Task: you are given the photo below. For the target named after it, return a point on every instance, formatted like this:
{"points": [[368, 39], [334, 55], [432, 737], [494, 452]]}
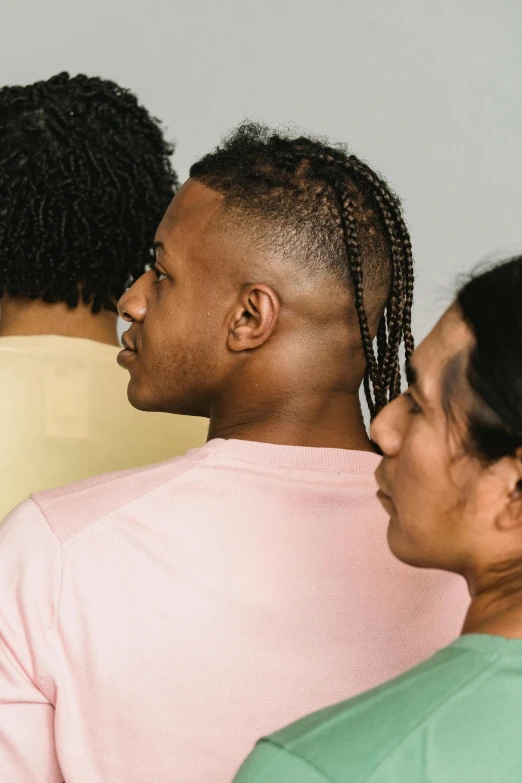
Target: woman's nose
{"points": [[386, 428]]}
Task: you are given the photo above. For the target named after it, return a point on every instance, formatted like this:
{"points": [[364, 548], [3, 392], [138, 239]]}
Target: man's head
{"points": [[280, 254], [85, 178]]}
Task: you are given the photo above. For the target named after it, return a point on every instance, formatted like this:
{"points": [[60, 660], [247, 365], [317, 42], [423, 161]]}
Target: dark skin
{"points": [[225, 327]]}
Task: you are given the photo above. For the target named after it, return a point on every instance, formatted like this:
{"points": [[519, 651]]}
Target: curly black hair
{"points": [[85, 178], [338, 216]]}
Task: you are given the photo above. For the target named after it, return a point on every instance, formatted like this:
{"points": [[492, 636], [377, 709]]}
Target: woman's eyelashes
{"points": [[414, 406]]}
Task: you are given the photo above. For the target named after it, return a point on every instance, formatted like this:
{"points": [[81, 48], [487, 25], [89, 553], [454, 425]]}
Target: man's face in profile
{"points": [[175, 345]]}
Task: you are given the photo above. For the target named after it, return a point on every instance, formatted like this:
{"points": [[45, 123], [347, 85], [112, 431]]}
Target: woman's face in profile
{"points": [[440, 499]]}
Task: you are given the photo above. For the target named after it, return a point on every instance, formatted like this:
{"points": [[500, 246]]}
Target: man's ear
{"points": [[511, 515], [253, 318]]}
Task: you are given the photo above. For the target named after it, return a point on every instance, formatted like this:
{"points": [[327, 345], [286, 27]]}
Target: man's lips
{"points": [[127, 342], [125, 356], [129, 351]]}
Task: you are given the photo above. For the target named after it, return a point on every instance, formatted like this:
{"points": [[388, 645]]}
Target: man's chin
{"points": [[139, 400], [144, 400]]}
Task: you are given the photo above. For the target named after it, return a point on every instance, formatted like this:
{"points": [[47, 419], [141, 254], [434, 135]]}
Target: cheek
{"points": [[423, 489], [430, 517], [180, 346], [412, 473], [164, 326]]}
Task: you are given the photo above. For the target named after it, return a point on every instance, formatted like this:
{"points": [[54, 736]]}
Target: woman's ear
{"points": [[253, 319], [511, 515]]}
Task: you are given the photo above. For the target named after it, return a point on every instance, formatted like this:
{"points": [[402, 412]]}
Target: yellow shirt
{"points": [[65, 416]]}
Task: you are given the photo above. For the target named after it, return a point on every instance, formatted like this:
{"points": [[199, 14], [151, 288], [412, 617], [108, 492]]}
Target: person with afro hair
{"points": [[85, 177]]}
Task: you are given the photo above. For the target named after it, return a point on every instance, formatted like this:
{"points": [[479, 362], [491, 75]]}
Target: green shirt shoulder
{"points": [[455, 717], [270, 762]]}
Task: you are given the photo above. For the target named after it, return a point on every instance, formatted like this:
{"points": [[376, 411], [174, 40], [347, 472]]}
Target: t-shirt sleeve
{"points": [[269, 763], [29, 579]]}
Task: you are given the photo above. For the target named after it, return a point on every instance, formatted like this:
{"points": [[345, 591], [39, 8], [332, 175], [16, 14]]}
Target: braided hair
{"points": [[341, 216], [85, 177]]}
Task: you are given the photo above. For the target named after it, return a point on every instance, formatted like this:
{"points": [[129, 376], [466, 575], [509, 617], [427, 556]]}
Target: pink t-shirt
{"points": [[154, 623]]}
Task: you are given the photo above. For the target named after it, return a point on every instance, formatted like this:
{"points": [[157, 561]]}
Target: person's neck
{"points": [[20, 316], [496, 607], [303, 418]]}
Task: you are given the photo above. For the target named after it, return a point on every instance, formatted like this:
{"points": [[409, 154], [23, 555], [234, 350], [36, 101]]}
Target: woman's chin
{"points": [[401, 547]]}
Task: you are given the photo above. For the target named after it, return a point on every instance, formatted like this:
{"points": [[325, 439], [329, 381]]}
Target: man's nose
{"points": [[132, 306]]}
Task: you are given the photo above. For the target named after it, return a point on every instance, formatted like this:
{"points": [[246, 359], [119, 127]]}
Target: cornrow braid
{"points": [[395, 324], [383, 371], [349, 224], [343, 216], [394, 318], [405, 266]]}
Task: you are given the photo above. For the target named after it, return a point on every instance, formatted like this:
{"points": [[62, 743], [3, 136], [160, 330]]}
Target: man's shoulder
{"points": [[70, 509]]}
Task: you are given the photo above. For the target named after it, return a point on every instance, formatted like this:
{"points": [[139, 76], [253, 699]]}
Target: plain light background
{"points": [[428, 91]]}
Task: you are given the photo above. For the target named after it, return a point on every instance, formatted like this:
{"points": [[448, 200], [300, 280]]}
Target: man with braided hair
{"points": [[85, 177], [168, 617]]}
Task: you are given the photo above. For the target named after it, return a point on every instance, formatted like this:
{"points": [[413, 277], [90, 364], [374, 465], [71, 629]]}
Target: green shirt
{"points": [[456, 718]]}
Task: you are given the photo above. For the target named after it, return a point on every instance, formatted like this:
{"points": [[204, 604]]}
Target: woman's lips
{"points": [[385, 501]]}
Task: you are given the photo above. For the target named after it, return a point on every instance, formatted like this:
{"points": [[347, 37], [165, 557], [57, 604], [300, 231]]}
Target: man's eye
{"points": [[414, 407], [160, 276]]}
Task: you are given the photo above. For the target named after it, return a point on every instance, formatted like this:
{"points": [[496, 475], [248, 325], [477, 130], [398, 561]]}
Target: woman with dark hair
{"points": [[451, 481]]}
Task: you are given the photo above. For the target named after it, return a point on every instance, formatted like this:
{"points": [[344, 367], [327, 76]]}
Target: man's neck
{"points": [[22, 317], [300, 419]]}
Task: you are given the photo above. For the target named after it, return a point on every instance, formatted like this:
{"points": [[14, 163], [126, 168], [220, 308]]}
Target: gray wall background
{"points": [[428, 91]]}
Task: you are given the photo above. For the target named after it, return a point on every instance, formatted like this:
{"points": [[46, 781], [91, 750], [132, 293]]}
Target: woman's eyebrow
{"points": [[412, 377]]}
